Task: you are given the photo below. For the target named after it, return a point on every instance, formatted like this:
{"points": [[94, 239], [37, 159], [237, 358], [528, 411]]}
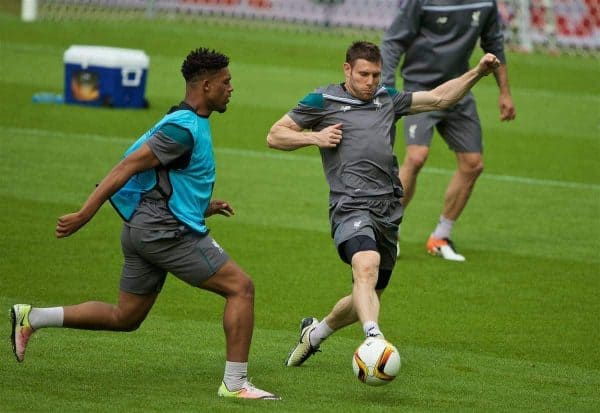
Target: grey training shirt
{"points": [[437, 38], [363, 164]]}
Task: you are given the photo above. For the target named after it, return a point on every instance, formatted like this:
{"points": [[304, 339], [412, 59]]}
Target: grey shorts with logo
{"points": [[191, 257], [376, 218], [459, 126]]}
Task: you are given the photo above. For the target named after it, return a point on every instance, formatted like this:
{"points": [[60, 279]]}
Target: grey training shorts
{"points": [[376, 218], [459, 126], [191, 257]]}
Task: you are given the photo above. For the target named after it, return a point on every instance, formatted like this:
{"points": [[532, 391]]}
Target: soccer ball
{"points": [[376, 362]]}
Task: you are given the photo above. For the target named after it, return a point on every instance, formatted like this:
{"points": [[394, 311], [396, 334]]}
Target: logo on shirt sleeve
{"points": [[475, 18]]}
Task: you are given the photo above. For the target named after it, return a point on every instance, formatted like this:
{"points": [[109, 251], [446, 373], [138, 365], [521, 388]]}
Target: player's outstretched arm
{"points": [[449, 93], [286, 135], [139, 160]]}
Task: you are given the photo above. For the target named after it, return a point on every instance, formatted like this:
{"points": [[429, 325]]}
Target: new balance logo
{"points": [[377, 104], [345, 108], [442, 20], [475, 18]]}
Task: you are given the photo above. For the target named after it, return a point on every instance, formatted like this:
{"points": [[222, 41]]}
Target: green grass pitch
{"points": [[515, 328]]}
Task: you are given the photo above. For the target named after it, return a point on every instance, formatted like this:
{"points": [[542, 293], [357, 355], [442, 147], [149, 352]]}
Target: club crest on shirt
{"points": [[475, 18], [412, 130], [377, 103]]}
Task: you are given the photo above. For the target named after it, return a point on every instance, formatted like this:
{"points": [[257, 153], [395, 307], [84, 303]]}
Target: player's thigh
{"points": [[418, 128], [191, 257], [230, 279], [196, 259], [377, 219], [461, 128], [352, 246], [364, 252], [376, 230], [353, 232]]}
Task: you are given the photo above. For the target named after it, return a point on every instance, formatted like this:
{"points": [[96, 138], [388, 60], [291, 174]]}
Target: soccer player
{"points": [[437, 38], [351, 123], [163, 190]]}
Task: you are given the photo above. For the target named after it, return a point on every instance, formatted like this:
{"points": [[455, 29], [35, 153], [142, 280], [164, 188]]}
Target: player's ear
{"points": [[347, 68]]}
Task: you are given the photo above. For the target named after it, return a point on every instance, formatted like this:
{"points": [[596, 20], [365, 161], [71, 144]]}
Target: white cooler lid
{"points": [[113, 57]]}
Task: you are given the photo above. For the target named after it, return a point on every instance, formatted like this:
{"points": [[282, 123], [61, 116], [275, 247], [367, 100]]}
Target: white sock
{"points": [[46, 317], [371, 329], [444, 228], [320, 333], [236, 374]]}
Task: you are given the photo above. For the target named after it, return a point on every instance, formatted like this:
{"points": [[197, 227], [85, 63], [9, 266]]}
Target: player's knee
{"points": [[243, 288], [127, 324], [415, 159], [472, 166], [366, 262], [365, 279], [476, 168], [128, 328], [365, 271], [248, 289], [479, 168]]}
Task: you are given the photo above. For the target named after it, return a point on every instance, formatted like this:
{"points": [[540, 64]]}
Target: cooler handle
{"points": [[131, 81]]}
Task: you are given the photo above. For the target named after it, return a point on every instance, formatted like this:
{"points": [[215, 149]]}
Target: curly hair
{"points": [[202, 61], [363, 50]]}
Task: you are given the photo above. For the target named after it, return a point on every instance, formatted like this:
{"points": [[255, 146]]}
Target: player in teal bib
{"points": [[192, 186], [163, 189]]}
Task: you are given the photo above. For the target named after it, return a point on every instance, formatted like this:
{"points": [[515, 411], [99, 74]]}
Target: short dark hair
{"points": [[363, 50], [202, 61]]}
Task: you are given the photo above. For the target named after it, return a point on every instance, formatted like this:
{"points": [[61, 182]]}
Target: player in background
{"points": [[163, 190], [351, 123], [437, 39]]}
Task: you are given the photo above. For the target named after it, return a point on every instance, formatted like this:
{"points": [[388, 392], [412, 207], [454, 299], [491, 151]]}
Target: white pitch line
{"points": [[249, 153]]}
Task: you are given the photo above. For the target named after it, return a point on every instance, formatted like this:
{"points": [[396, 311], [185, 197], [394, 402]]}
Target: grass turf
{"points": [[514, 328]]}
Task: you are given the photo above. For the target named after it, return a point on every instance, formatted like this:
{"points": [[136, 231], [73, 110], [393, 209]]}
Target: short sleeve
{"points": [[492, 37], [171, 144], [402, 102], [309, 111]]}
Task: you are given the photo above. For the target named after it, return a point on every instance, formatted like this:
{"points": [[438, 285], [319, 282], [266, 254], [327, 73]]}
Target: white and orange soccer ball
{"points": [[376, 362]]}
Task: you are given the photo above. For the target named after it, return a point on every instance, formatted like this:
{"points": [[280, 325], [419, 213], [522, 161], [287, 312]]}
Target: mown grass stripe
{"points": [[249, 153]]}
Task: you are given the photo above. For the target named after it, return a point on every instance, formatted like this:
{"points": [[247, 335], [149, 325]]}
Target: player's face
{"points": [[362, 78], [220, 90]]}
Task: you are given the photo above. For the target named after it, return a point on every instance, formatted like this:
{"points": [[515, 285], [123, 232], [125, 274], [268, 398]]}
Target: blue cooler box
{"points": [[105, 76]]}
